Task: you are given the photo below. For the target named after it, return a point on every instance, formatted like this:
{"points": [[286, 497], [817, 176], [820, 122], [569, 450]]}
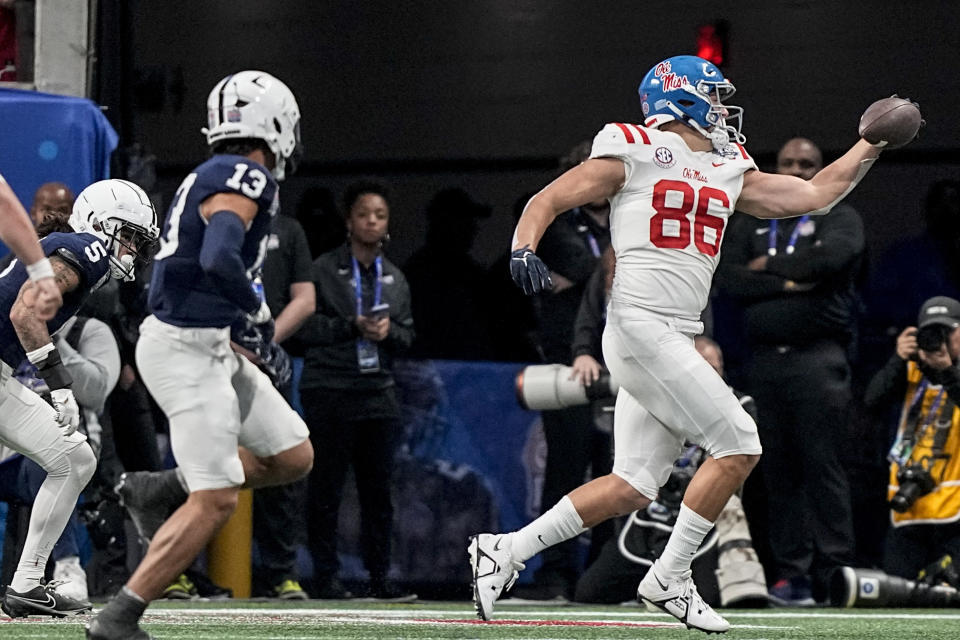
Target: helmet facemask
{"points": [[714, 121], [140, 244]]}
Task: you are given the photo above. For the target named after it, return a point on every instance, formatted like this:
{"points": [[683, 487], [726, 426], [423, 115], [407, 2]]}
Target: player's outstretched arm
{"points": [[594, 179], [768, 195], [17, 232]]}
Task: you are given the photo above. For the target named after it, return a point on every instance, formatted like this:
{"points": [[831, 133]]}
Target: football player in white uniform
{"points": [[672, 184]]}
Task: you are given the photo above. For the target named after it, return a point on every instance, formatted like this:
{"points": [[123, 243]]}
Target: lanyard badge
{"points": [[368, 354], [791, 243]]}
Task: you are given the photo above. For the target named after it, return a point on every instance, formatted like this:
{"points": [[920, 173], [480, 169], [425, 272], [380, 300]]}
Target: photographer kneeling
{"points": [[924, 491]]}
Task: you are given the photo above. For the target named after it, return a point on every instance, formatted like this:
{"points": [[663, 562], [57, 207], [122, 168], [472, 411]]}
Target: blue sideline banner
{"points": [[470, 461], [51, 138]]}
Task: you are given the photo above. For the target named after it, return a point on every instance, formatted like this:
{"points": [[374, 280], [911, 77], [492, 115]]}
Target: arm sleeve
{"points": [[887, 385], [733, 276], [94, 365], [220, 260], [328, 325], [839, 241], [322, 329]]}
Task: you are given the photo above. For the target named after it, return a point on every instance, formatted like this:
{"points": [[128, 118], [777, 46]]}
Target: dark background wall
{"points": [[487, 94]]}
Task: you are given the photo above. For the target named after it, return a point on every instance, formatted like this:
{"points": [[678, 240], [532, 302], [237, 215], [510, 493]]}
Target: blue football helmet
{"points": [[692, 90]]}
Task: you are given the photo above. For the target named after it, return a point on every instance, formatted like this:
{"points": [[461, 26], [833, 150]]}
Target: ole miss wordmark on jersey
{"points": [[180, 293], [82, 251], [667, 222]]}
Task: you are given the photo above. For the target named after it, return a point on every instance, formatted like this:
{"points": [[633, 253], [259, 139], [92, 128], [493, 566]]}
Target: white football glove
{"points": [[68, 412]]}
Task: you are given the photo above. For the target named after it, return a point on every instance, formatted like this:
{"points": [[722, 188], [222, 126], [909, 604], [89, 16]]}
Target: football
{"points": [[891, 122]]}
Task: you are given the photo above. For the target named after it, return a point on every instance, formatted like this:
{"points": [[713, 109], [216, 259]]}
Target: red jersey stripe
{"points": [[743, 151], [626, 132], [643, 134]]}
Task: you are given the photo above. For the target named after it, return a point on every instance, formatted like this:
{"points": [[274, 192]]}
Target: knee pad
{"points": [[78, 463], [83, 463]]}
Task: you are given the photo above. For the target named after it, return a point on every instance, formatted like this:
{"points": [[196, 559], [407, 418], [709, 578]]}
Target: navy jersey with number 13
{"points": [[180, 292]]}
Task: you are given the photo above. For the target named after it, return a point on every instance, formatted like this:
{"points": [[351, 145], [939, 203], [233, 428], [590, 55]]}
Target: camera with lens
{"points": [[542, 387], [914, 481], [932, 337]]}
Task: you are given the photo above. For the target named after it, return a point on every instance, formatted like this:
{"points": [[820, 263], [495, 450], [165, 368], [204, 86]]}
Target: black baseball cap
{"points": [[939, 310]]}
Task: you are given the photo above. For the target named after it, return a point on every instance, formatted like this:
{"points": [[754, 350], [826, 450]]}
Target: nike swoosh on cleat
{"points": [[49, 602], [496, 545], [540, 538], [657, 578]]}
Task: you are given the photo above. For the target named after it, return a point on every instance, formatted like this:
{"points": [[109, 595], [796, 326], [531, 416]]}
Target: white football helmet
{"points": [[254, 104], [121, 215]]}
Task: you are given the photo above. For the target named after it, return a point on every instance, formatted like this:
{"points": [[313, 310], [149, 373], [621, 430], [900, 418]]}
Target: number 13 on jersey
{"points": [[707, 228]]}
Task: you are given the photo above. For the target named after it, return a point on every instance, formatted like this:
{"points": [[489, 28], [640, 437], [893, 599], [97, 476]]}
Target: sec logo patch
{"points": [[663, 158]]}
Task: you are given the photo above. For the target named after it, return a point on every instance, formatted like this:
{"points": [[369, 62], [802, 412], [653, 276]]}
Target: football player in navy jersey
{"points": [[113, 224], [229, 426], [17, 232]]}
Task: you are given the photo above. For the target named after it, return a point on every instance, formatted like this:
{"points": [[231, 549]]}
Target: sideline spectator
{"points": [[363, 321], [51, 198], [795, 281]]}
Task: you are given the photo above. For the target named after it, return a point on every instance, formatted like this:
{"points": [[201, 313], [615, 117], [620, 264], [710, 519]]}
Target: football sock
{"points": [[688, 532], [124, 608], [67, 475], [560, 523]]}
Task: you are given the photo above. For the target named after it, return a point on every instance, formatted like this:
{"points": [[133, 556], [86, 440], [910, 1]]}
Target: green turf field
{"points": [[349, 619]]}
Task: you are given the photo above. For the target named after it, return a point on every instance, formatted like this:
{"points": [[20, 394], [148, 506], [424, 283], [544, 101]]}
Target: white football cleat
{"points": [[680, 599], [493, 568]]}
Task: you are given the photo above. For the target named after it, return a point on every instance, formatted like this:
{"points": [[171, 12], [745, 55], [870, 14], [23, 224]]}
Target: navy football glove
{"points": [[276, 363], [250, 336], [529, 272]]}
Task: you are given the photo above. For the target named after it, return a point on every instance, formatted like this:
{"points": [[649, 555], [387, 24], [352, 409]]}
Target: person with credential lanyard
{"points": [[363, 320], [794, 281]]}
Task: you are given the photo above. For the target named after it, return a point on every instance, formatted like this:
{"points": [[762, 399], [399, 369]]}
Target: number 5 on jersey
{"points": [[707, 228]]}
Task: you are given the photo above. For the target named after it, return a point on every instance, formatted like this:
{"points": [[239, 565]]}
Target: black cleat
{"points": [[148, 498], [42, 600], [99, 630]]}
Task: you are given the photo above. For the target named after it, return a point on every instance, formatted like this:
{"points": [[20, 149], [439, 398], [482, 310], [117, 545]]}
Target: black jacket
{"points": [[330, 335], [802, 297]]}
